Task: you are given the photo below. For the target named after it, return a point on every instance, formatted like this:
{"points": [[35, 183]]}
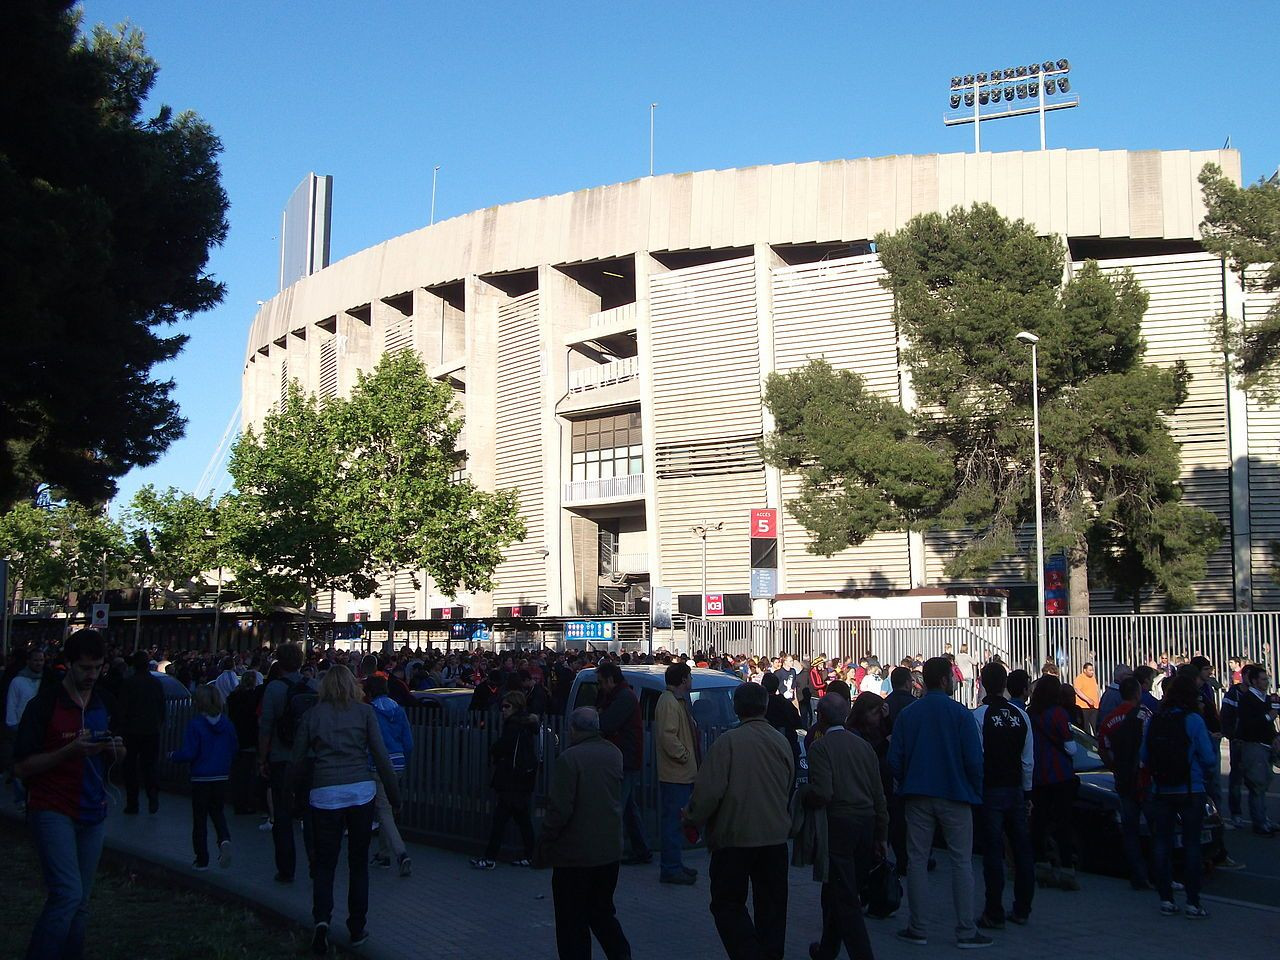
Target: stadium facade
{"points": [[610, 347]]}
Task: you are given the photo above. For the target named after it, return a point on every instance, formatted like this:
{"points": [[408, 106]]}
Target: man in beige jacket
{"points": [[678, 746], [741, 795]]}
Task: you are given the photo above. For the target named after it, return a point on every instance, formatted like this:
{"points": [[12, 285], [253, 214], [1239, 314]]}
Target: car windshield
{"points": [[713, 707], [1087, 758]]}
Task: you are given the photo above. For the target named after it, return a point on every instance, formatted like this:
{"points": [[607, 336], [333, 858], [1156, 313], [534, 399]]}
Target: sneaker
{"points": [[522, 862], [405, 865], [320, 939], [1168, 908], [1229, 824], [1177, 887], [1196, 912], [480, 863], [1020, 919], [380, 860], [224, 854], [1229, 864], [201, 867], [265, 826], [1239, 822], [985, 922], [689, 870], [908, 935], [976, 942], [360, 939], [681, 878]]}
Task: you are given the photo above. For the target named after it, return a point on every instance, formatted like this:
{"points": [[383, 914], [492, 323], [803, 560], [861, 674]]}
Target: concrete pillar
{"points": [[647, 266], [482, 301], [765, 261]]}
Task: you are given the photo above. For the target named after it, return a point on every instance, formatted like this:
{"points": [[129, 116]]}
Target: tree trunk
{"points": [[1078, 640], [306, 625], [390, 646]]}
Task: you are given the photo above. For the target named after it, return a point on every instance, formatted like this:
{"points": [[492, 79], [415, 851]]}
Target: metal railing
{"points": [[607, 318], [1104, 640], [604, 375], [606, 488]]}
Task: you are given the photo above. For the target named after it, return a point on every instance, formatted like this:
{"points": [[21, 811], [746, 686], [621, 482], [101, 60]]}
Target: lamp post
{"points": [[1005, 85], [700, 531], [1042, 632], [435, 173], [652, 107]]}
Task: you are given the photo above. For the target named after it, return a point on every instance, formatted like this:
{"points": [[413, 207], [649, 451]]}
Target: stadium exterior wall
{"points": [[612, 344]]}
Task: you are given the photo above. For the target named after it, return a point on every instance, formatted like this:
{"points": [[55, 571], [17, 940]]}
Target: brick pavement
{"points": [[447, 910]]}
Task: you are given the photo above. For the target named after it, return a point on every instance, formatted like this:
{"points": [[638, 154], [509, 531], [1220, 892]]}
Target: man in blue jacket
{"points": [[936, 758]]}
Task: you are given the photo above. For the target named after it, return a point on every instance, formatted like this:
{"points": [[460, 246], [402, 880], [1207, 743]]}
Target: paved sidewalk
{"points": [[447, 910]]}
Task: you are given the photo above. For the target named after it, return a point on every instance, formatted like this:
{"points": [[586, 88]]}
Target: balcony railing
{"points": [[604, 375], [630, 563], [607, 318], [610, 488]]}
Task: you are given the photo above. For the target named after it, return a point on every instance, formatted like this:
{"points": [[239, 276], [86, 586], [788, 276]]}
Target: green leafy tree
{"points": [[965, 285], [1243, 226], [27, 533], [284, 526], [403, 506], [109, 216], [93, 548], [180, 531]]}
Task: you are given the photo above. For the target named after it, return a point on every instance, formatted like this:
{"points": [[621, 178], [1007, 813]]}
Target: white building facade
{"points": [[610, 348]]}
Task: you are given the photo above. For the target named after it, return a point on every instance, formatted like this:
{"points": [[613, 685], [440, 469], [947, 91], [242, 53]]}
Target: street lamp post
{"points": [[700, 531], [1042, 632]]}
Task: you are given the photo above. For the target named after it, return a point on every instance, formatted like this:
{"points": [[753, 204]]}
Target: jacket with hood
{"points": [[513, 753], [22, 690], [209, 745], [397, 737]]}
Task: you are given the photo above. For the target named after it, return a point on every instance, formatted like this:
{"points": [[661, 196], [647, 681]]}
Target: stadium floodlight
{"points": [[1047, 78]]}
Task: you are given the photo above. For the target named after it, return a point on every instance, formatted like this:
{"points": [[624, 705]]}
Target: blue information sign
{"points": [[588, 630]]}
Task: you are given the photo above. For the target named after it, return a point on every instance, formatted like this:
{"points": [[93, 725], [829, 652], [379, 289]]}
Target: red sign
{"points": [[714, 606], [764, 523]]}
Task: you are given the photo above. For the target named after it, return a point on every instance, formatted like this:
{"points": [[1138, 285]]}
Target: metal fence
{"points": [[447, 800], [1104, 640]]}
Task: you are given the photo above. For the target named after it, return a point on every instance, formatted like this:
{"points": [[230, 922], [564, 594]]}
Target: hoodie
{"points": [[209, 745], [396, 734], [22, 690]]}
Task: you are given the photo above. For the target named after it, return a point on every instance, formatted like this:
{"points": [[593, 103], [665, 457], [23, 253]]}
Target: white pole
{"points": [[1040, 87], [435, 172], [1041, 623], [977, 120], [652, 108], [704, 567]]}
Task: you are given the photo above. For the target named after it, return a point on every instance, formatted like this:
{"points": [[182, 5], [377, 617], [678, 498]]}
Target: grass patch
{"points": [[138, 915]]}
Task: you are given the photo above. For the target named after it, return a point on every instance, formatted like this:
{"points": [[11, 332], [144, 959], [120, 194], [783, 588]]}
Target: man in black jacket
{"points": [[1256, 730], [622, 725], [141, 715], [1008, 761], [900, 696]]}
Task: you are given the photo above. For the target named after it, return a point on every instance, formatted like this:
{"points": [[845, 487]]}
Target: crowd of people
{"points": [[901, 759]]}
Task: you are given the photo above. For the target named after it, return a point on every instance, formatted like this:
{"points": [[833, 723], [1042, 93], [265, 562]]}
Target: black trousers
{"points": [[244, 773], [282, 823], [206, 805], [328, 826], [510, 806], [765, 870], [1051, 815], [850, 854], [583, 901], [898, 832], [141, 762]]}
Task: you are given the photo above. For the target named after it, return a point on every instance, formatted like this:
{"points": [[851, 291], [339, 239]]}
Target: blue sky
{"points": [[517, 100]]}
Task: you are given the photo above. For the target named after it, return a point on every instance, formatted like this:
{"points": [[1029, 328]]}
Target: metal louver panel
{"points": [[690, 501], [284, 382], [521, 576], [836, 310], [709, 458], [399, 335], [329, 368]]}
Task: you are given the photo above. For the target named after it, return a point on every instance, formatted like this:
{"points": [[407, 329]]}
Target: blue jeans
{"points": [[1131, 812], [1004, 809], [1190, 806], [632, 824], [69, 852], [674, 796]]}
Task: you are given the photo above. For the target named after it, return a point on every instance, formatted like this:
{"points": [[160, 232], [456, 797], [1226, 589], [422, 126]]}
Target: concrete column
{"points": [[1238, 451], [918, 571], [482, 301], [563, 306], [647, 266], [765, 261]]}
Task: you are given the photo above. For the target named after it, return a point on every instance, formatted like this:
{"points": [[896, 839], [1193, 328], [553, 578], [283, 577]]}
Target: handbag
{"points": [[884, 891]]}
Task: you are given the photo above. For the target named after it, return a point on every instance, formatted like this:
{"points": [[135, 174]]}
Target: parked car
{"points": [[441, 705], [1097, 818], [711, 699]]}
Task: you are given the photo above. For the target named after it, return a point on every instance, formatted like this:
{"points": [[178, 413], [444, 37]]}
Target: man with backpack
{"points": [[284, 702], [1119, 745], [1179, 755]]}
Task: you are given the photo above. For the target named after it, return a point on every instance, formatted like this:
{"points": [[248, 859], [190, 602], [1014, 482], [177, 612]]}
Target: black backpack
{"points": [[1168, 750], [1126, 747], [298, 699]]}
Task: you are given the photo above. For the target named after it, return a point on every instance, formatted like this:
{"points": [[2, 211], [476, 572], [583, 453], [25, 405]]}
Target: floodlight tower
{"points": [[1047, 82]]}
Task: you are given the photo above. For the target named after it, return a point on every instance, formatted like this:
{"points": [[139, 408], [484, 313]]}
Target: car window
{"points": [[1087, 758], [648, 703], [586, 694], [713, 707]]}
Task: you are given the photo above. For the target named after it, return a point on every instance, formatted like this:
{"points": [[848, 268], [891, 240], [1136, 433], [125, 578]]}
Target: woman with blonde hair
{"points": [[334, 742]]}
